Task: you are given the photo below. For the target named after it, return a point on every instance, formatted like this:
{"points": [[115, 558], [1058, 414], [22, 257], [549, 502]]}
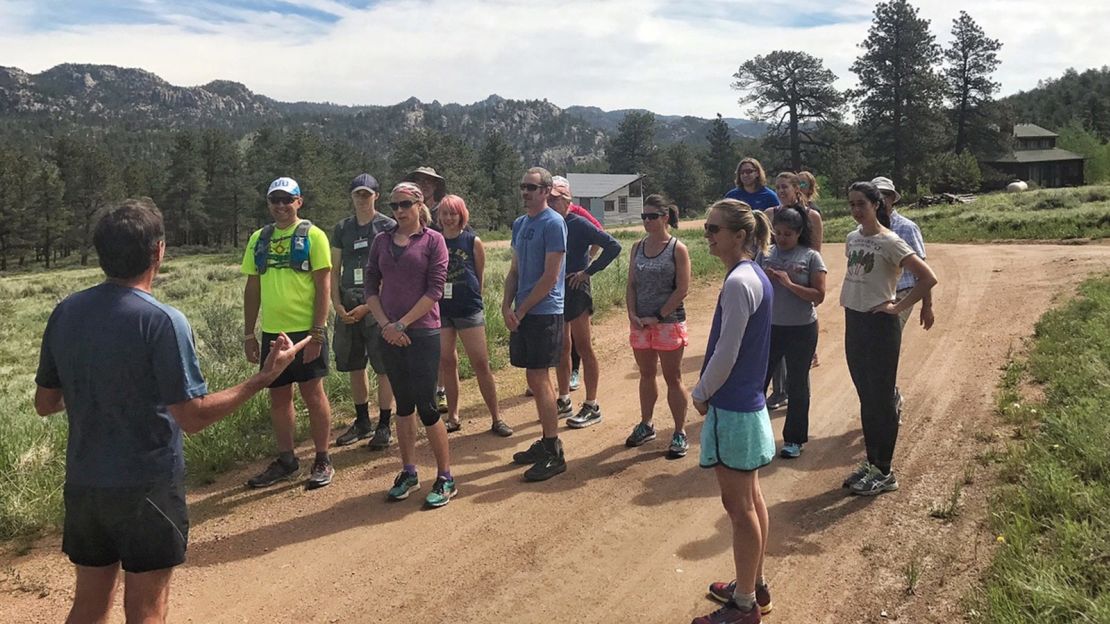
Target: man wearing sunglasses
{"points": [[532, 307], [288, 269]]}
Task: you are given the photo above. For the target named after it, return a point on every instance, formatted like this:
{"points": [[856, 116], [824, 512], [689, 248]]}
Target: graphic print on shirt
{"points": [[860, 262], [278, 256], [456, 265]]}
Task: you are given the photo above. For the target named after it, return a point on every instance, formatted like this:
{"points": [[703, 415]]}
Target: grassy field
{"points": [[1053, 562]]}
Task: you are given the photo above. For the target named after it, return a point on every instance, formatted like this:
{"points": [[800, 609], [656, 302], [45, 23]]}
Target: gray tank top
{"points": [[655, 281]]}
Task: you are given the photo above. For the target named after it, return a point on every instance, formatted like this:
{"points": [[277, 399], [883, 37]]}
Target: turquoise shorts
{"points": [[737, 440]]}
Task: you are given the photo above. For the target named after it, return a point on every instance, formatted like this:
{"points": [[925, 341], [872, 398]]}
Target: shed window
{"points": [[635, 189], [610, 205], [623, 204]]}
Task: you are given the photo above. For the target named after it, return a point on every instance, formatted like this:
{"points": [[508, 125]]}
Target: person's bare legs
{"points": [[739, 491], [474, 342], [583, 341], [677, 397], [319, 411], [539, 381], [437, 439], [146, 596], [562, 371], [385, 392], [92, 598], [764, 520], [449, 372], [360, 387], [282, 417], [649, 392]]}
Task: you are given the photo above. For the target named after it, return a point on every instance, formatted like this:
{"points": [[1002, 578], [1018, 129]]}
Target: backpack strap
{"points": [[299, 258], [262, 247]]}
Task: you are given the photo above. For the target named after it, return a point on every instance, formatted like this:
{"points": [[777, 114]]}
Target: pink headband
{"points": [[408, 188]]}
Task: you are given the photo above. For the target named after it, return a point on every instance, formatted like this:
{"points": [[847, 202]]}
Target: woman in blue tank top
{"points": [[462, 314]]}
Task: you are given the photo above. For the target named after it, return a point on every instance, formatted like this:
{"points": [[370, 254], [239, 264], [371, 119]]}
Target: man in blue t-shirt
{"points": [[532, 307], [124, 368]]}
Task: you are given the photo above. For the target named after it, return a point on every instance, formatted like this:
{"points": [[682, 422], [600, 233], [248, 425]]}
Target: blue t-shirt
{"points": [[581, 235], [120, 357], [760, 200], [464, 296], [533, 239]]}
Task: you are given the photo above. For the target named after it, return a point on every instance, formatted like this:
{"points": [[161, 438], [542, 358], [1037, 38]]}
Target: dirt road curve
{"points": [[626, 535]]}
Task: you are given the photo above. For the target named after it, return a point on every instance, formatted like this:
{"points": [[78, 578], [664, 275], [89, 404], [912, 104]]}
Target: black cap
{"points": [[364, 181]]}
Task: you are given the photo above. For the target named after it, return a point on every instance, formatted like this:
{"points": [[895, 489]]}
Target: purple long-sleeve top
{"points": [[419, 271]]}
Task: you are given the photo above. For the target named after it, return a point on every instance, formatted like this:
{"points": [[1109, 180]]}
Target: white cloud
{"points": [[668, 57]]}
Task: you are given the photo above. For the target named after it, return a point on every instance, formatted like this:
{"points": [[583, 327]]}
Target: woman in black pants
{"points": [[797, 273], [872, 334]]}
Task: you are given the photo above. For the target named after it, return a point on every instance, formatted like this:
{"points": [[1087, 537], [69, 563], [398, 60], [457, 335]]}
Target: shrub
{"points": [[953, 173]]}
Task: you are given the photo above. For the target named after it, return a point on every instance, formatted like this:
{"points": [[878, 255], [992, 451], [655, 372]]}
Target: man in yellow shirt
{"points": [[288, 269]]}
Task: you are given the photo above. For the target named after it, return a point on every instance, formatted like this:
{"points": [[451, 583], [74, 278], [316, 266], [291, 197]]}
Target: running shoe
{"points": [[574, 380], [790, 450], [358, 431], [452, 425], [548, 466], [442, 492], [322, 472], [860, 472], [441, 401], [381, 440], [534, 454], [502, 429], [403, 485], [640, 434], [678, 447], [722, 593], [875, 482], [730, 613], [275, 472], [776, 401], [565, 408], [586, 416]]}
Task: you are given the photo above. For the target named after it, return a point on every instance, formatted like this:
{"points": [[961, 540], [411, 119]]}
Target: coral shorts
{"points": [[659, 337]]}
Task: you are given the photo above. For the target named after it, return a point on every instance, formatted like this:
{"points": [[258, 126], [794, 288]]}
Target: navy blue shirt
{"points": [[462, 295], [760, 200], [581, 235], [120, 357]]}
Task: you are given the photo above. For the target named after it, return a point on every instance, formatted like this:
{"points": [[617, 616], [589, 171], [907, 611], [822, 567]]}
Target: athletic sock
{"points": [[445, 475], [564, 397], [288, 459], [440, 390], [384, 416], [362, 414], [322, 457], [551, 445], [592, 404], [746, 602], [761, 582], [409, 469]]}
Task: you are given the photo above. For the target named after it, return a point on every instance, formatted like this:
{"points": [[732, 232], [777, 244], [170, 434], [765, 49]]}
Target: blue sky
{"points": [[673, 57]]}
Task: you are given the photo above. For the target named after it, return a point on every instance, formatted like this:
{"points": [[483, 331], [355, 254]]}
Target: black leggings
{"points": [[412, 373], [871, 343], [795, 343]]}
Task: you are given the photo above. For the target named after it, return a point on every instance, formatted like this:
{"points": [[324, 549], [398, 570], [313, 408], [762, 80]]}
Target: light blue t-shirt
{"points": [[533, 239], [120, 357]]}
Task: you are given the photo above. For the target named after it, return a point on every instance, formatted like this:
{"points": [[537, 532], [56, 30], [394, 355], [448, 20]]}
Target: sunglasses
{"points": [[651, 216], [712, 228], [532, 188], [748, 172], [282, 200], [401, 205]]}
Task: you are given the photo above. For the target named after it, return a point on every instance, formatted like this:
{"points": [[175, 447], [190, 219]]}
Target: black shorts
{"points": [[578, 300], [144, 528], [297, 371], [538, 341], [357, 344]]}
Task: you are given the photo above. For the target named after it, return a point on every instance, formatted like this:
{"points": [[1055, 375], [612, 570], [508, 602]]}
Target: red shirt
{"points": [[585, 214]]}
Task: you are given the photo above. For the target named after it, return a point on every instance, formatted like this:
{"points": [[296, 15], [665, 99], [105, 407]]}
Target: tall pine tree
{"points": [[970, 60], [720, 160], [183, 201], [633, 149]]}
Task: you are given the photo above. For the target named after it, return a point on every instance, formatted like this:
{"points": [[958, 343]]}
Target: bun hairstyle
{"points": [[795, 218], [739, 216], [875, 196], [659, 202]]}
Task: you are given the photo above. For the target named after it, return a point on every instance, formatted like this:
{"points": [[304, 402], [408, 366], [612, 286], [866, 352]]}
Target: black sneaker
{"points": [[587, 416], [776, 400], [548, 466], [640, 435], [357, 432], [274, 473], [321, 475], [534, 454], [381, 440]]}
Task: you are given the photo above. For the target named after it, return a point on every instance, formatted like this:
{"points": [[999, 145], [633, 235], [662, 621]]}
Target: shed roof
{"points": [[1046, 155], [599, 184], [1030, 131]]}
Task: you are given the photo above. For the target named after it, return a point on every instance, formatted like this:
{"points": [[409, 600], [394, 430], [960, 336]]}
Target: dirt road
{"points": [[626, 535]]}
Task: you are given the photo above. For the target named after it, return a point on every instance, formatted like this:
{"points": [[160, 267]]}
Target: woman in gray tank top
{"points": [[658, 279]]}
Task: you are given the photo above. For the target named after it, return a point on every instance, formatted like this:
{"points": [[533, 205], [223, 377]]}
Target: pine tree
{"points": [[720, 160], [682, 177], [794, 92], [501, 167], [90, 182], [183, 202], [633, 149], [899, 92], [228, 196], [971, 59], [52, 218]]}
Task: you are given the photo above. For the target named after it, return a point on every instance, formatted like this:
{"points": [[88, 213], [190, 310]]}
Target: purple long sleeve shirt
{"points": [[419, 271]]}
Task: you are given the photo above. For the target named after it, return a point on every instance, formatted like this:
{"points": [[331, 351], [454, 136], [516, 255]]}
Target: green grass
{"points": [[1050, 214], [1053, 562], [208, 289]]}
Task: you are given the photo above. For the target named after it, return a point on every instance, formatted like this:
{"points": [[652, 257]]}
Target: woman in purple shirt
{"points": [[405, 273]]}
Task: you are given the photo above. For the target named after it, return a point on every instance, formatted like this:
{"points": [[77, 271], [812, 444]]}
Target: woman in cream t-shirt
{"points": [[872, 336]]}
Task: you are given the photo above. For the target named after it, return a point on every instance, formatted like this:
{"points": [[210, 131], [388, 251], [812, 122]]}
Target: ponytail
{"points": [[882, 214], [760, 239], [739, 216], [672, 216]]}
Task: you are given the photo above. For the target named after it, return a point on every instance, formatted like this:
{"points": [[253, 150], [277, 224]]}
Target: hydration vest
{"points": [[298, 252]]}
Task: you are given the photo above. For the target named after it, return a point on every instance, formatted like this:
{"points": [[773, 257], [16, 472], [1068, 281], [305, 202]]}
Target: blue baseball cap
{"points": [[364, 181], [285, 185]]}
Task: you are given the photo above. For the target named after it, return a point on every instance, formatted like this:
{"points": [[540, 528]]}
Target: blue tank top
{"points": [[461, 293]]}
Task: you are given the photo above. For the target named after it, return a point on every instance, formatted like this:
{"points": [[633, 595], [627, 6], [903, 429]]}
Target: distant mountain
{"points": [[107, 96]]}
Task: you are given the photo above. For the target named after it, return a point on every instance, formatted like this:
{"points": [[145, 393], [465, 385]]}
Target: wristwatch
{"points": [[399, 326]]}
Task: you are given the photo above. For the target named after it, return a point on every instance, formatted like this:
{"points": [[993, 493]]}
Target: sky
{"points": [[669, 56]]}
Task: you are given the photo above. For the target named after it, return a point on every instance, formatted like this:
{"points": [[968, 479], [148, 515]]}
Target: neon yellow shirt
{"points": [[288, 295]]}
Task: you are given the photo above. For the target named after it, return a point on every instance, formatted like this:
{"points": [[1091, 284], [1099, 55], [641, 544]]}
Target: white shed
{"points": [[613, 198]]}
